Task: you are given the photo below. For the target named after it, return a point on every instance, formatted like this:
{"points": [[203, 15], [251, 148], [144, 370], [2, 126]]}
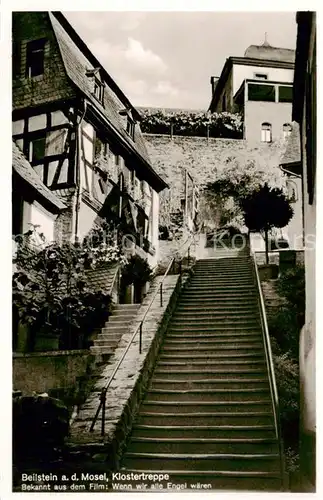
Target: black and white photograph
{"points": [[163, 210]]}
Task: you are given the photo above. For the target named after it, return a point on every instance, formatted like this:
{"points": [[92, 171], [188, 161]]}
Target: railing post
{"points": [[140, 338], [103, 401], [161, 295], [188, 256]]}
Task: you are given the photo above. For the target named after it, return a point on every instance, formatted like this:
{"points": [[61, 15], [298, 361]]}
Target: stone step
{"points": [[215, 306], [208, 342], [143, 444], [114, 328], [228, 285], [119, 320], [220, 278], [109, 336], [95, 349], [236, 356], [105, 343], [190, 335], [218, 294], [198, 461], [219, 374], [214, 395], [205, 431], [206, 350], [124, 307], [223, 322], [216, 314], [209, 383], [213, 365], [205, 418]]}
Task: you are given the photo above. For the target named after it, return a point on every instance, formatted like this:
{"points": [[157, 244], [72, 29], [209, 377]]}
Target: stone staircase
{"points": [[208, 414], [119, 322]]}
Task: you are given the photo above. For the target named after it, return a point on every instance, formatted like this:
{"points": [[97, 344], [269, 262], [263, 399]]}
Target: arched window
{"points": [[265, 132], [287, 128], [292, 191]]}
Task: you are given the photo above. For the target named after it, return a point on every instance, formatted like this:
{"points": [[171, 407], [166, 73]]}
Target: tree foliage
{"points": [[50, 290], [266, 208]]}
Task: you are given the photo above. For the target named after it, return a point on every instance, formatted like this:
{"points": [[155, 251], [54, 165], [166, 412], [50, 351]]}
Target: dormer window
{"points": [[130, 125], [98, 90], [98, 85], [35, 58]]}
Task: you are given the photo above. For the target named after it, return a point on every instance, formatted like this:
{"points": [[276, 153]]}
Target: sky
{"points": [[166, 59]]}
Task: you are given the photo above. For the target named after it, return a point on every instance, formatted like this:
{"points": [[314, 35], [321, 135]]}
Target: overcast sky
{"points": [[165, 59]]}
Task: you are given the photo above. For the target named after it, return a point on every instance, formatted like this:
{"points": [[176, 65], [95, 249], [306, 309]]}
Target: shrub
{"points": [[50, 290], [287, 377], [40, 426], [136, 271]]}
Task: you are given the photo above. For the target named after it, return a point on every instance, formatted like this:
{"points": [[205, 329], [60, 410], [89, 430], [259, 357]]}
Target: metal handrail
{"points": [[104, 390], [269, 360]]}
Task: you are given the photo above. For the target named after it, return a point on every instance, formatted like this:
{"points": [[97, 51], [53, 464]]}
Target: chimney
{"points": [[214, 81]]}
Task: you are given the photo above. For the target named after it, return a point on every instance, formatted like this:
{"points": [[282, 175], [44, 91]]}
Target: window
{"points": [[35, 58], [266, 132], [292, 191], [287, 129], [261, 76], [259, 92], [37, 149], [130, 127], [98, 90], [285, 94]]}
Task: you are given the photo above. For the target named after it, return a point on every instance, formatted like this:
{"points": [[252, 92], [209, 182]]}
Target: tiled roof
{"points": [[102, 277], [293, 147], [270, 53], [76, 65], [23, 168]]}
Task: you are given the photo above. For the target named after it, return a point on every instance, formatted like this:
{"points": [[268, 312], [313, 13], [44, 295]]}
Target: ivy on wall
{"points": [[190, 123]]}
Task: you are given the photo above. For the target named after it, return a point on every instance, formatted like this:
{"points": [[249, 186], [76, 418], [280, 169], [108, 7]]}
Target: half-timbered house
{"points": [[81, 134]]}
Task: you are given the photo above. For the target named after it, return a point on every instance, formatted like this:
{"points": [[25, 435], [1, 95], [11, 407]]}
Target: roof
{"points": [[293, 147], [266, 51], [78, 60], [102, 277], [23, 168]]}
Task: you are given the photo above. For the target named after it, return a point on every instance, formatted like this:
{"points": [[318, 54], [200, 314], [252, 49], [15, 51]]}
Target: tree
{"points": [[240, 175], [264, 209]]}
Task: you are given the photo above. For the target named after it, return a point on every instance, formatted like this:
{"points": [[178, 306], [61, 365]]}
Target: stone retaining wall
{"points": [[130, 383], [45, 371]]}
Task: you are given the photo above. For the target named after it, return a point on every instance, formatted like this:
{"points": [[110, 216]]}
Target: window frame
{"points": [[35, 47], [266, 132], [287, 132], [270, 86], [261, 76]]}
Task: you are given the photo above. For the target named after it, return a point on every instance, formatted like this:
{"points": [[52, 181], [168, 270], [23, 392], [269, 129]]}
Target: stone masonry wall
{"points": [[127, 389], [44, 371], [202, 158]]}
